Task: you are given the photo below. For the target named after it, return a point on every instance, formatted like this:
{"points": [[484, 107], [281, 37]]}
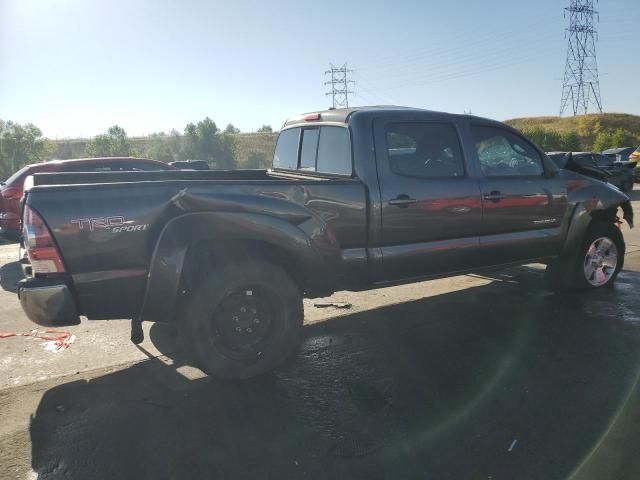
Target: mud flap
{"points": [[137, 335], [627, 213]]}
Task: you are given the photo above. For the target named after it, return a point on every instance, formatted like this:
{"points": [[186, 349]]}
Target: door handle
{"points": [[494, 196], [402, 201]]}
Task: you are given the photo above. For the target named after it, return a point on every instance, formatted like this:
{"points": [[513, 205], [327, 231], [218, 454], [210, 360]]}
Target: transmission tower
{"points": [[339, 85], [581, 86]]}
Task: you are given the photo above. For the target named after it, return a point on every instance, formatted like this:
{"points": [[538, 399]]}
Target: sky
{"points": [[76, 67]]}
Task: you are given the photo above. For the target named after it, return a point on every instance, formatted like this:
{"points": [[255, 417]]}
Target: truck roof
{"points": [[341, 115]]}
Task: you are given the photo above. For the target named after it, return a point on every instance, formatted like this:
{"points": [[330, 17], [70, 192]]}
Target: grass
{"points": [[611, 121]]}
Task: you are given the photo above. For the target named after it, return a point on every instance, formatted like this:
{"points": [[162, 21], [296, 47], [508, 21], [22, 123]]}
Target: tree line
{"points": [[25, 144], [589, 135], [22, 144]]}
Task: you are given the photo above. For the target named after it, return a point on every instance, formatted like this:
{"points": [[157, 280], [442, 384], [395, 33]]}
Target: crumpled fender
{"points": [[274, 221], [586, 198]]}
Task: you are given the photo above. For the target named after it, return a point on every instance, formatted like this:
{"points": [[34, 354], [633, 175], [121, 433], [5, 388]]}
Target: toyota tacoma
{"points": [[356, 199]]}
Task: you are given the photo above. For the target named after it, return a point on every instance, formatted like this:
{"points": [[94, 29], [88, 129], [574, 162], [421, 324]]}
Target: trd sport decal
{"points": [[116, 224]]}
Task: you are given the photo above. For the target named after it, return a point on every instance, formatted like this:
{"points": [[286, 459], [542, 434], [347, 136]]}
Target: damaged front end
{"points": [[627, 212]]}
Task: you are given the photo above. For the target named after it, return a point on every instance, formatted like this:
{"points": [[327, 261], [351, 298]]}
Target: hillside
{"points": [[596, 131], [611, 121]]}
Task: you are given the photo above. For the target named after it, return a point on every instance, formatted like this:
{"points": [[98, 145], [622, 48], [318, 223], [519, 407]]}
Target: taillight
{"points": [[11, 193], [41, 249]]}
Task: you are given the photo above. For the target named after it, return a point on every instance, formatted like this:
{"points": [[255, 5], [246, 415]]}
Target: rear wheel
{"points": [[596, 264], [244, 319]]}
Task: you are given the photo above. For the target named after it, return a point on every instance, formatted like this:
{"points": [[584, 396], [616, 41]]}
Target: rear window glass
{"points": [[286, 154], [309, 149], [334, 151], [326, 149]]}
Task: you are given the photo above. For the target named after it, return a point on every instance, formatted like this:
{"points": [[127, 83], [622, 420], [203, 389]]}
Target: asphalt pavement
{"points": [[474, 377]]}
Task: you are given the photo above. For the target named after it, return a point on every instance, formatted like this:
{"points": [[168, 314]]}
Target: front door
{"points": [[523, 205], [431, 209]]}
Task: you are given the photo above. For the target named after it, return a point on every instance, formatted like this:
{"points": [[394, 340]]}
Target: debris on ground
{"points": [[358, 446], [58, 343], [345, 305]]}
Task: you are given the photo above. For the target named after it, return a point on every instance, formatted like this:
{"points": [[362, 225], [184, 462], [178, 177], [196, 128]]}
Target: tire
{"points": [[244, 319], [595, 264]]}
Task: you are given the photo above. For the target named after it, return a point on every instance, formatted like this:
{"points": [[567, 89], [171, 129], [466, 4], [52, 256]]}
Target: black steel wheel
{"points": [[244, 319]]}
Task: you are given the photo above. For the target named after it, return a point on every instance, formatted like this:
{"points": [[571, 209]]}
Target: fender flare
{"points": [[590, 201], [315, 254]]}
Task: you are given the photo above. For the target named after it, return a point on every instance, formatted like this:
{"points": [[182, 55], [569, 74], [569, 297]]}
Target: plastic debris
{"points": [[512, 446], [58, 343], [332, 304]]}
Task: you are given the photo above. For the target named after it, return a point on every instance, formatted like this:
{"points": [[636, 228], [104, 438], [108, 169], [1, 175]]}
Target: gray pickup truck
{"points": [[357, 199]]}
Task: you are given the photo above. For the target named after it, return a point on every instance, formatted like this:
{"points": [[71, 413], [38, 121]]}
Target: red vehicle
{"points": [[11, 191]]}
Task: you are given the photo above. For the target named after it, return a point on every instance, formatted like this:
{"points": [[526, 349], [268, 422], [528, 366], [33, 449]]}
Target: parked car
{"points": [[11, 191], [620, 174], [357, 198], [190, 164], [619, 154]]}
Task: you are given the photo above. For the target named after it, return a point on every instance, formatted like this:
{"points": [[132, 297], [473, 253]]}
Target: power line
{"points": [[339, 85], [581, 86], [451, 46]]}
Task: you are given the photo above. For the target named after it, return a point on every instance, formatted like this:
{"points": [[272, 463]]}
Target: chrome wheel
{"points": [[600, 261]]}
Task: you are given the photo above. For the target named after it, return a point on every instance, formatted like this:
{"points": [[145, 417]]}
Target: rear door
{"points": [[523, 205], [431, 211]]}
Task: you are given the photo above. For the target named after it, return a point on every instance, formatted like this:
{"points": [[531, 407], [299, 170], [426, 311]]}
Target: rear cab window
{"points": [[324, 149]]}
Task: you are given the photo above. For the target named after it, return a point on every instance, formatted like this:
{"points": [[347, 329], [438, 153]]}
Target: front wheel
{"points": [[596, 264], [244, 319]]}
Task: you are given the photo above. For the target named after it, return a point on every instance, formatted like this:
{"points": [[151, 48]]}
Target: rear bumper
{"points": [[48, 302]]}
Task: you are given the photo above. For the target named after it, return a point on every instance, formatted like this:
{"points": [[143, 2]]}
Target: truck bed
{"points": [[40, 179], [107, 225]]}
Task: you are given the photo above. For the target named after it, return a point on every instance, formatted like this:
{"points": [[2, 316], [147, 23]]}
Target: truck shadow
{"points": [[10, 275], [439, 387]]}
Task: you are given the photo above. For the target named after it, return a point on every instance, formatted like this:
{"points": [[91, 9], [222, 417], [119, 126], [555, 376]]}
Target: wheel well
{"points": [[606, 215], [205, 255]]}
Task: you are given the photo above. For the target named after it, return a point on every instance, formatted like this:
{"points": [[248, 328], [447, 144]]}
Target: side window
{"points": [[425, 150], [584, 160], [603, 161], [334, 151], [503, 153], [286, 154], [309, 149]]}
